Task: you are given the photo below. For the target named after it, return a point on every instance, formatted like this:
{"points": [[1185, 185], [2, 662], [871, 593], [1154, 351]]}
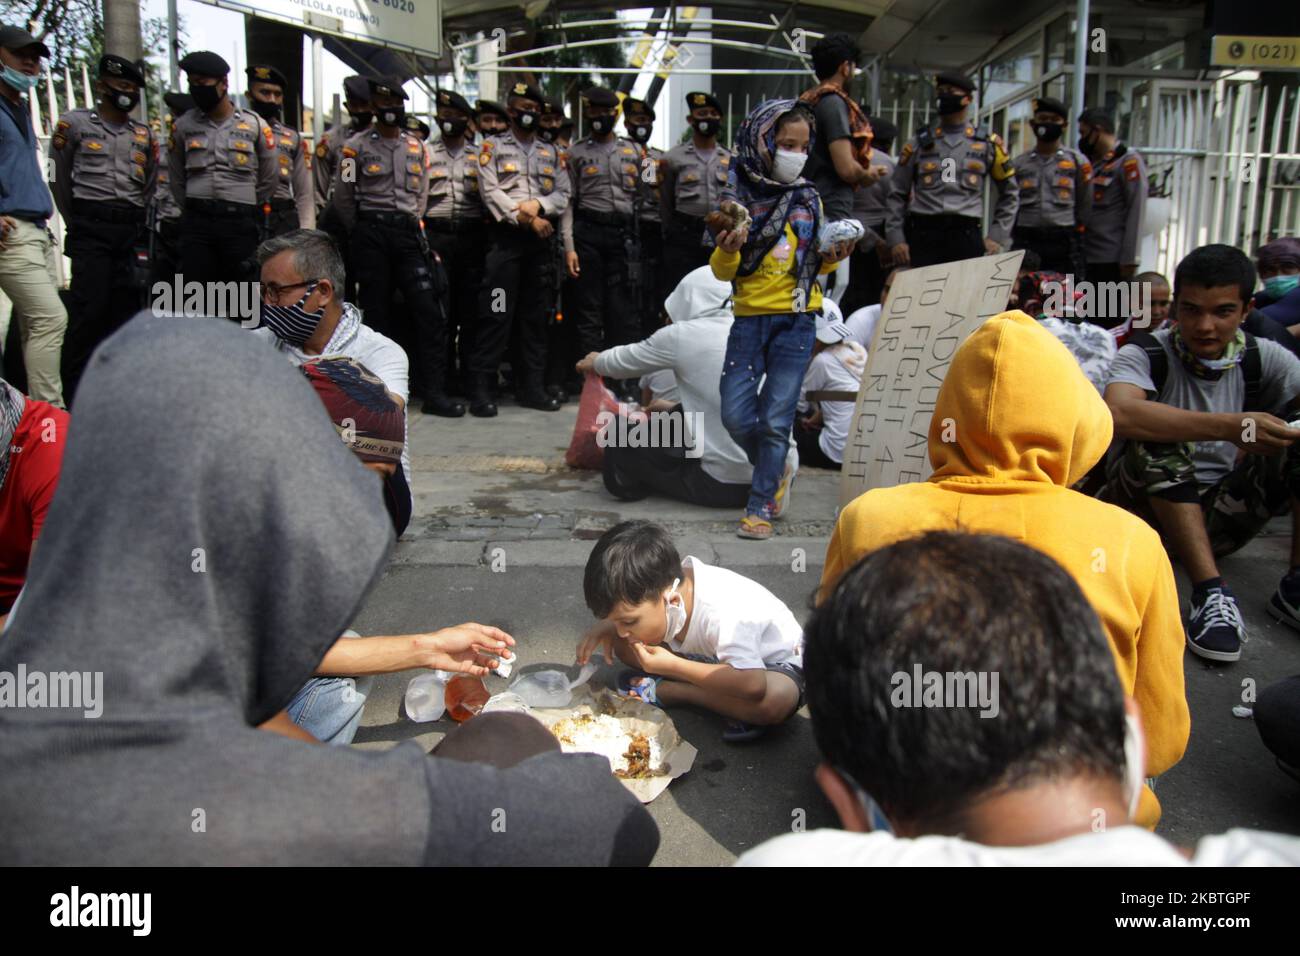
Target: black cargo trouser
{"points": [[328, 220], [462, 246], [652, 290], [166, 252], [932, 240], [284, 217], [683, 250], [516, 295], [219, 241], [1059, 247], [388, 256], [603, 311], [866, 277]]}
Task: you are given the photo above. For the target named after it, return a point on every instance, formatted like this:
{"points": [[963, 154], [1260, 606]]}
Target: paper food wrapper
{"points": [[637, 717]]}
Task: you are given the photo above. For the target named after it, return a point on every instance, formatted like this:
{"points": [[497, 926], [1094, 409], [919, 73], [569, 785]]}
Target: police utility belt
{"points": [[221, 208], [454, 226], [283, 205], [621, 220], [108, 211], [683, 221], [388, 218]]}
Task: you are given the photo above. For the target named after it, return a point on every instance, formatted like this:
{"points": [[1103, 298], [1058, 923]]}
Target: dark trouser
{"points": [[388, 257], [935, 239], [220, 247], [602, 309], [682, 251], [866, 279], [634, 473], [1277, 716], [1104, 272], [518, 286], [463, 249], [103, 292], [652, 290], [284, 217], [166, 252], [810, 449], [561, 340], [1059, 247], [327, 220]]}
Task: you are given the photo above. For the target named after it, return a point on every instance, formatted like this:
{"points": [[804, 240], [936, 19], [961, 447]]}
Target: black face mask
{"points": [[708, 127], [361, 119], [205, 97], [949, 103], [393, 115], [547, 135], [453, 128], [527, 119], [602, 125], [268, 111], [125, 102], [640, 134], [1087, 144], [1048, 132]]}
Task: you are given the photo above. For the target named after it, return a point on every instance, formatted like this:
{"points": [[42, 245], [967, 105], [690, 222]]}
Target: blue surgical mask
{"points": [[1278, 286], [21, 82]]}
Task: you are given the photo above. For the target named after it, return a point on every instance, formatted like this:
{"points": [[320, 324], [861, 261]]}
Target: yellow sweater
{"points": [[769, 289], [1028, 426]]}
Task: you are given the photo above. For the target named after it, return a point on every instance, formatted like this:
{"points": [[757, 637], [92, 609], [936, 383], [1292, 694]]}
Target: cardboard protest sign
{"points": [[929, 313]]}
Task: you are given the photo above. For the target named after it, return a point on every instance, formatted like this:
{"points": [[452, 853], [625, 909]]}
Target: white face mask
{"points": [[1134, 764], [675, 612], [787, 165]]}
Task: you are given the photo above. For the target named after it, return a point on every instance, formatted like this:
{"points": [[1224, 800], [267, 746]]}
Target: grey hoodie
{"points": [[209, 540]]}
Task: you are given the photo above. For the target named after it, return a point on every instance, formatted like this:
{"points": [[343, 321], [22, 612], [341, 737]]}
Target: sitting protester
{"points": [[1014, 745], [862, 322], [206, 593], [1279, 273], [829, 395], [1015, 426], [1209, 458], [1092, 346]]}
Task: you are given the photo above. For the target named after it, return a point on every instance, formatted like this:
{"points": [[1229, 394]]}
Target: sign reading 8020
{"points": [[1266, 53]]}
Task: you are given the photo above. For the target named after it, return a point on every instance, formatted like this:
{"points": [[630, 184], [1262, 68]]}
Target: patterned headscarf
{"points": [[12, 404], [772, 204]]}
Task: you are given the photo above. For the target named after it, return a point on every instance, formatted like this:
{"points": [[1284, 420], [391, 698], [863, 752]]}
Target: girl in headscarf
{"points": [[773, 264]]}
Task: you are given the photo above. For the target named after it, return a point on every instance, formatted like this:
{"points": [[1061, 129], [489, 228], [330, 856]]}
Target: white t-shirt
{"points": [[862, 324], [826, 373], [1122, 846], [738, 621]]}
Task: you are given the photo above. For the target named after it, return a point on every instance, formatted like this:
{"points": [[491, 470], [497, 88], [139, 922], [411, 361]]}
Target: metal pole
{"points": [[1080, 56], [317, 89], [173, 45]]}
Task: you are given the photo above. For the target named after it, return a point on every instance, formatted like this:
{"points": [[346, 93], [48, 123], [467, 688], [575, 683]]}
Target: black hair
{"points": [[961, 604], [1214, 265], [883, 134], [832, 50], [799, 113], [1098, 118], [631, 563]]}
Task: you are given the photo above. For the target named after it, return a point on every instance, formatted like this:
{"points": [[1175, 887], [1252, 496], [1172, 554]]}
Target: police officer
{"points": [[1055, 194], [293, 205], [548, 127], [691, 179], [164, 215], [603, 256], [872, 258], [564, 134], [491, 118], [561, 342], [102, 173], [947, 165], [381, 191], [224, 166], [525, 189], [639, 121], [457, 230], [1119, 195]]}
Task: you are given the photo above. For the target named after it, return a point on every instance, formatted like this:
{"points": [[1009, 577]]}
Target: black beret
{"points": [[954, 78], [567, 124], [490, 106], [205, 63], [1096, 116], [1045, 104], [599, 96], [178, 103], [417, 125], [526, 90], [699, 98], [119, 66], [388, 85], [552, 107], [356, 88], [454, 100], [637, 106], [267, 74]]}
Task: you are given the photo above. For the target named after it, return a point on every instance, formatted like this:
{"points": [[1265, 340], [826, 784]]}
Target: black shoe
{"points": [[481, 404], [441, 405], [538, 399], [558, 393]]}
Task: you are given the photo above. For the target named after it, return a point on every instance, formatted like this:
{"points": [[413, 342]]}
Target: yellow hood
{"points": [[1017, 407]]}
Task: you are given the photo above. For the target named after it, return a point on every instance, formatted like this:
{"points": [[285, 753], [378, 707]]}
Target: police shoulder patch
{"points": [[268, 136], [322, 150], [906, 156], [59, 141], [485, 157], [349, 152], [63, 126]]}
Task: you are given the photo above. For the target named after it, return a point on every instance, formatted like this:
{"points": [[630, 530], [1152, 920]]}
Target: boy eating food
{"points": [[693, 633]]}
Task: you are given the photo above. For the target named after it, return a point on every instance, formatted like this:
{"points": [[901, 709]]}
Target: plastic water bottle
{"points": [[425, 700]]}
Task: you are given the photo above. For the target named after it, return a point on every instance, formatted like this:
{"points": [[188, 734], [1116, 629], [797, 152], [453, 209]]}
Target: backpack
{"points": [[1251, 366]]}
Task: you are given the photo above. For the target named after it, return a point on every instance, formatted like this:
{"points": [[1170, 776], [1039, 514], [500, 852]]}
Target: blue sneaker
{"points": [[739, 732], [1284, 605], [1215, 629]]}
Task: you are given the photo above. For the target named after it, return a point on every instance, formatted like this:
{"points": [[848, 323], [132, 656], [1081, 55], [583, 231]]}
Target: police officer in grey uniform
{"points": [[639, 121], [293, 204], [102, 171], [381, 191], [943, 168], [525, 189], [1119, 195], [164, 214], [691, 180], [1055, 194], [356, 100], [561, 379], [599, 231], [224, 167], [491, 118], [871, 258], [457, 229]]}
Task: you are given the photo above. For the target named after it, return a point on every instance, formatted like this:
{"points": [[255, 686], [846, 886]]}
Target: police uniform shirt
{"points": [[1119, 195], [383, 175], [604, 180], [691, 184], [944, 170], [98, 160], [453, 182], [233, 160], [511, 173], [294, 173], [648, 183], [1054, 189]]}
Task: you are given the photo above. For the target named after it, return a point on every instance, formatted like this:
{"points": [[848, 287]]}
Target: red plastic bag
{"points": [[584, 449]]}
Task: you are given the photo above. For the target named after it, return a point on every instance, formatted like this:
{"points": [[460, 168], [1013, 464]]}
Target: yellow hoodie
{"points": [[1028, 425]]}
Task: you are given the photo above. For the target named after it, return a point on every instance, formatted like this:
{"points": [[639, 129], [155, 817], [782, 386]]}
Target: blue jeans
{"points": [[330, 707], [759, 421]]}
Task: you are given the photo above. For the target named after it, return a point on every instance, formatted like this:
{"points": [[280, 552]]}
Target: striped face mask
{"points": [[291, 323]]}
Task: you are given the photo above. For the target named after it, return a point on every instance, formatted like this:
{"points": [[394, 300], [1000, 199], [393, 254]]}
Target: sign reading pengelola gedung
{"points": [[414, 25], [928, 314]]}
